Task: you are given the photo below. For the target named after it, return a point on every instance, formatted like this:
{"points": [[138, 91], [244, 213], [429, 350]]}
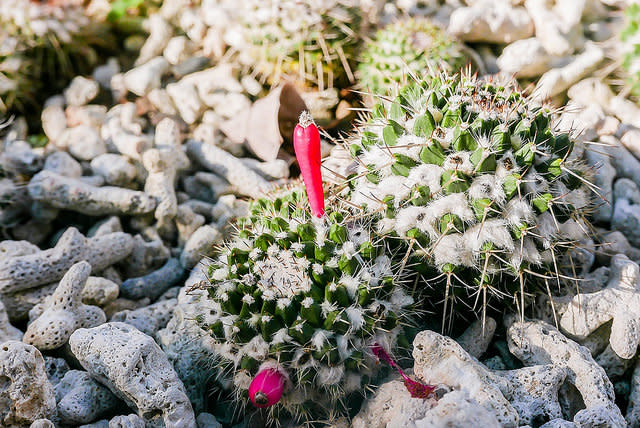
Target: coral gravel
{"points": [[469, 176], [308, 297]]}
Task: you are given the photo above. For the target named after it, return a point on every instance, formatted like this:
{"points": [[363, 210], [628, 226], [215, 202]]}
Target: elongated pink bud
{"points": [[416, 389], [266, 388], [306, 143]]}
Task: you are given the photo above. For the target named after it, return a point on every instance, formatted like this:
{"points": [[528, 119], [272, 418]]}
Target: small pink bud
{"points": [[306, 143], [416, 389], [266, 388]]}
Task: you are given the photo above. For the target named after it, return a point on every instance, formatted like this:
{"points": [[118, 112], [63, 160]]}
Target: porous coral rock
{"points": [[64, 312], [535, 342], [25, 392], [80, 399], [46, 266], [135, 369], [619, 301]]}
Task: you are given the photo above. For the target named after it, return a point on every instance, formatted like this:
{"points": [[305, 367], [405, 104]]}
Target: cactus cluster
{"points": [[469, 176], [309, 297], [404, 47], [630, 37], [311, 41], [43, 46]]}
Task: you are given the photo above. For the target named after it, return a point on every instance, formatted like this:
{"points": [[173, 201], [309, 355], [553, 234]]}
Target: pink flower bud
{"points": [[266, 388]]}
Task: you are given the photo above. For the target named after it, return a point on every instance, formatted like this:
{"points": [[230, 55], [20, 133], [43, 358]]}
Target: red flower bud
{"points": [[306, 143]]}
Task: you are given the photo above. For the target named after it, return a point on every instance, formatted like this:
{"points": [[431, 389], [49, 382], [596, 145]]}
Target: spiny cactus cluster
{"points": [[43, 46], [485, 197], [630, 37], [309, 296], [311, 41], [405, 47]]}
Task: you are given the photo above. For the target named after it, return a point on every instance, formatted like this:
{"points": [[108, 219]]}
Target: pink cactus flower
{"points": [[416, 389]]}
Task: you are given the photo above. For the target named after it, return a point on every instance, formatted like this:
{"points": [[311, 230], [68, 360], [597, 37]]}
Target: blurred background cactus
{"points": [[309, 295], [313, 42], [405, 47], [630, 37], [42, 47], [469, 178]]}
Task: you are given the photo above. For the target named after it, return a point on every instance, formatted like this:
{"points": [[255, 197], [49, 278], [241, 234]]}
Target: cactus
{"points": [[300, 302], [469, 177], [406, 46], [630, 37], [42, 47], [311, 41]]}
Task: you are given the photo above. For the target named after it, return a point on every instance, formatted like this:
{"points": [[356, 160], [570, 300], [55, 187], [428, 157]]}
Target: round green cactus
{"points": [[407, 46], [470, 178], [310, 296], [311, 41], [630, 37]]}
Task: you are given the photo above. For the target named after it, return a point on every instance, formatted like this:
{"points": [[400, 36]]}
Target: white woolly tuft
{"points": [[283, 303], [407, 218], [321, 231], [348, 249], [459, 161], [518, 211], [242, 379], [352, 382], [358, 234], [413, 145], [343, 346], [506, 166], [319, 338], [547, 228], [525, 251], [394, 185], [330, 375], [451, 249], [573, 230], [351, 284], [281, 336], [487, 186], [256, 348], [534, 183], [494, 231], [248, 299], [366, 193], [381, 267], [328, 307], [426, 175], [385, 225], [400, 299], [220, 274], [355, 316], [307, 302]]}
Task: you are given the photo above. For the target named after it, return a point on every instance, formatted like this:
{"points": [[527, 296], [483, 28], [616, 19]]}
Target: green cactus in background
{"points": [[407, 46], [469, 176], [630, 37], [311, 41], [41, 48], [310, 296]]}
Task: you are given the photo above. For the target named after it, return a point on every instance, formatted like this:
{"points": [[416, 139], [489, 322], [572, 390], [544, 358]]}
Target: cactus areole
{"points": [[306, 142], [266, 388]]}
